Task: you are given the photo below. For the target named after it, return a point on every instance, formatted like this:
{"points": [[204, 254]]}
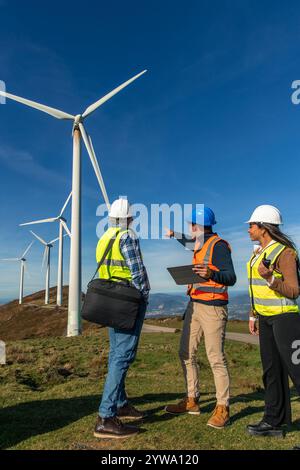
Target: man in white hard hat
{"points": [[127, 264]]}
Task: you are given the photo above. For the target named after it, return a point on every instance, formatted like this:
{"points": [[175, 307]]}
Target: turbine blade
{"points": [[65, 204], [10, 259], [27, 249], [39, 238], [53, 241], [41, 107], [44, 256], [100, 178], [105, 98], [63, 223], [52, 219], [93, 158]]}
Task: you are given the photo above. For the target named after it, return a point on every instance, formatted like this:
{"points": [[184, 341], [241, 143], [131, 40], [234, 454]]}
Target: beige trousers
{"points": [[208, 321]]}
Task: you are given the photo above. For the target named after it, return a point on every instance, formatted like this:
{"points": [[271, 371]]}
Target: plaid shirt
{"points": [[130, 249]]}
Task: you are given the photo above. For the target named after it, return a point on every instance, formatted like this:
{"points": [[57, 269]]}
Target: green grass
{"points": [[50, 391]]}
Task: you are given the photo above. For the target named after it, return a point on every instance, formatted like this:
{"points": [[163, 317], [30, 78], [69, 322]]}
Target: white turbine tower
{"points": [[46, 257], [62, 226], [78, 133], [23, 267]]}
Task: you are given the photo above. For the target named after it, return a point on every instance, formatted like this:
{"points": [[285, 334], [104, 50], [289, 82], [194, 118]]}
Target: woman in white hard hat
{"points": [[274, 288]]}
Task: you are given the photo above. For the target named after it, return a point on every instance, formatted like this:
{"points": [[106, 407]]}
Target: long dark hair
{"points": [[279, 236]]}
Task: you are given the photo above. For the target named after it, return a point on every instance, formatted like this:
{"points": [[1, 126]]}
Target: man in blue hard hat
{"points": [[206, 315]]}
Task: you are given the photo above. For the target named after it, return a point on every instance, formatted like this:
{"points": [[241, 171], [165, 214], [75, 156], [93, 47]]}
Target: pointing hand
{"points": [[169, 233]]}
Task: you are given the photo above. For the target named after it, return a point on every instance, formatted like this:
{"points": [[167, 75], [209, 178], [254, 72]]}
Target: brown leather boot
{"points": [[113, 428], [187, 405], [220, 417], [128, 411]]}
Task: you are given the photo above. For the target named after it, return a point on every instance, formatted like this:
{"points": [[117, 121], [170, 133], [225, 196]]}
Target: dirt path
{"points": [[158, 329], [242, 337]]}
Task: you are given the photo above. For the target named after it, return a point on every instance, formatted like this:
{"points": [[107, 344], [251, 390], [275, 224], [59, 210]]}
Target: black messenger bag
{"points": [[111, 303]]}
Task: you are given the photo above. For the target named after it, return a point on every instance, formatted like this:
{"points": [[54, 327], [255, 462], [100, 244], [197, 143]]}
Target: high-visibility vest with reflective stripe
{"points": [[266, 301], [209, 290], [114, 263]]}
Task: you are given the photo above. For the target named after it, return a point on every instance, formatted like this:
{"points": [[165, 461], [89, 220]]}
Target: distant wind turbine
{"points": [[46, 257], [62, 226], [75, 250], [23, 267]]}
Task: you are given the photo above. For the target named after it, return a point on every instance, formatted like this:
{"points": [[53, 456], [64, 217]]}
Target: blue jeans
{"points": [[123, 349]]}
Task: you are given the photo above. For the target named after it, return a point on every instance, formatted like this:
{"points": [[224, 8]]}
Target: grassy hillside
{"points": [[33, 319], [50, 390]]}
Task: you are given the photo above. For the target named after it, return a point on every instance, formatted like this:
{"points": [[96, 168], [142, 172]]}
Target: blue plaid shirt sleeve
{"points": [[130, 249]]}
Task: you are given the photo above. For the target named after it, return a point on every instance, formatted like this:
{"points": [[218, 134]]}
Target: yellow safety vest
{"points": [[266, 301], [114, 263]]}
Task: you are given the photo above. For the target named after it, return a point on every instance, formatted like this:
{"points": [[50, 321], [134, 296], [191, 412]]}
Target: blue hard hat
{"points": [[204, 216]]}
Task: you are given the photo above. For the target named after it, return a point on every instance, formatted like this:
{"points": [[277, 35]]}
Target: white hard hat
{"points": [[266, 214], [120, 209]]}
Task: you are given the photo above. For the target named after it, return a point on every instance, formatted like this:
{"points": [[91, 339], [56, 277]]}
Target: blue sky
{"points": [[211, 122]]}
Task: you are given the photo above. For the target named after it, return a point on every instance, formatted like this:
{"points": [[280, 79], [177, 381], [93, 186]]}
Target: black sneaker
{"points": [[130, 412], [264, 429], [113, 428]]}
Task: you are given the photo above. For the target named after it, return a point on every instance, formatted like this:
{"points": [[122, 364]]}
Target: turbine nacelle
{"points": [[23, 262], [78, 119], [59, 218]]}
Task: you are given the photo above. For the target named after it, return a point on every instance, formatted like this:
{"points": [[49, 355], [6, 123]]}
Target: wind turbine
{"points": [[78, 133], [62, 226], [23, 267], [46, 257]]}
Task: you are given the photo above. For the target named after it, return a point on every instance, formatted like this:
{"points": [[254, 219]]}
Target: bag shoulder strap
{"points": [[298, 269], [108, 248]]}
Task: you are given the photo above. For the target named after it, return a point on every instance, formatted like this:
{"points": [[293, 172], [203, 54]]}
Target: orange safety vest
{"points": [[209, 290]]}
